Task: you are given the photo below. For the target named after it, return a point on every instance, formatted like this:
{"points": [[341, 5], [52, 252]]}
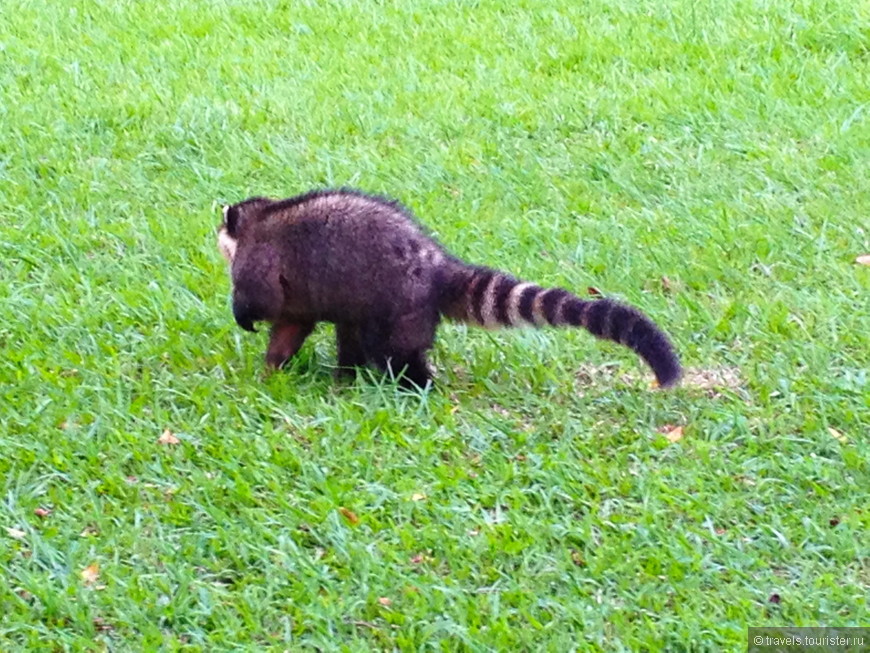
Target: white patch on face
{"points": [[227, 245]]}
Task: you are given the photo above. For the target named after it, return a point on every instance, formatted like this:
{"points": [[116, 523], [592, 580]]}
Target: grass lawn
{"points": [[707, 161]]}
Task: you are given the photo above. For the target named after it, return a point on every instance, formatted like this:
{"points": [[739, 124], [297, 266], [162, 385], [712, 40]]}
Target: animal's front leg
{"points": [[285, 340]]}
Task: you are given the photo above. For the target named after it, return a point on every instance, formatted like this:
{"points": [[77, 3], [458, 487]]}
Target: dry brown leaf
{"points": [[102, 625], [837, 435], [594, 292], [667, 286], [168, 437], [91, 574], [418, 496], [864, 259], [17, 533], [385, 601], [675, 434], [349, 515], [42, 512]]}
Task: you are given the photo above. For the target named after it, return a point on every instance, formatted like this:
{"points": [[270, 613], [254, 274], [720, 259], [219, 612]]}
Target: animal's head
{"points": [[257, 289], [237, 217]]}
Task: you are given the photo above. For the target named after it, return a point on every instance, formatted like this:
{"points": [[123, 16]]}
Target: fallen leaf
{"points": [[42, 512], [864, 259], [676, 435], [24, 594], [672, 433], [385, 601], [418, 496], [837, 435], [417, 559], [720, 531], [91, 574], [667, 286], [17, 533], [594, 292], [168, 437], [101, 624], [349, 515]]}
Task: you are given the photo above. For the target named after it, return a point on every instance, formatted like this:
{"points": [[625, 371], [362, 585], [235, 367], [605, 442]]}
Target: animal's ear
{"points": [[231, 219]]}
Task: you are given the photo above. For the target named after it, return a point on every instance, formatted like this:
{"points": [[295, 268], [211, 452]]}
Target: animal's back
{"points": [[347, 255]]}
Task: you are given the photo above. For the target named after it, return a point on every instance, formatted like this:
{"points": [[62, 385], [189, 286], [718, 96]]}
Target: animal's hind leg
{"points": [[285, 341], [350, 349], [414, 369], [400, 346]]}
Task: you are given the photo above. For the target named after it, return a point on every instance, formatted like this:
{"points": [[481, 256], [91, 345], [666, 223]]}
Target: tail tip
{"points": [[668, 376]]}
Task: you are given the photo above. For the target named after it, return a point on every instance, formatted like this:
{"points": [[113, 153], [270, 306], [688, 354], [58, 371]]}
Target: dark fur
{"points": [[364, 263]]}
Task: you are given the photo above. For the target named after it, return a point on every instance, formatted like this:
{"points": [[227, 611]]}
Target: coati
{"points": [[365, 264]]}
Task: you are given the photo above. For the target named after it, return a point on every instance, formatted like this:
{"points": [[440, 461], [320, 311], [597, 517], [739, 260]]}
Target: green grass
{"points": [[529, 501]]}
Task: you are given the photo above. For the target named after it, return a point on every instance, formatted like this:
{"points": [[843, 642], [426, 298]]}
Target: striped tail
{"points": [[493, 299]]}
